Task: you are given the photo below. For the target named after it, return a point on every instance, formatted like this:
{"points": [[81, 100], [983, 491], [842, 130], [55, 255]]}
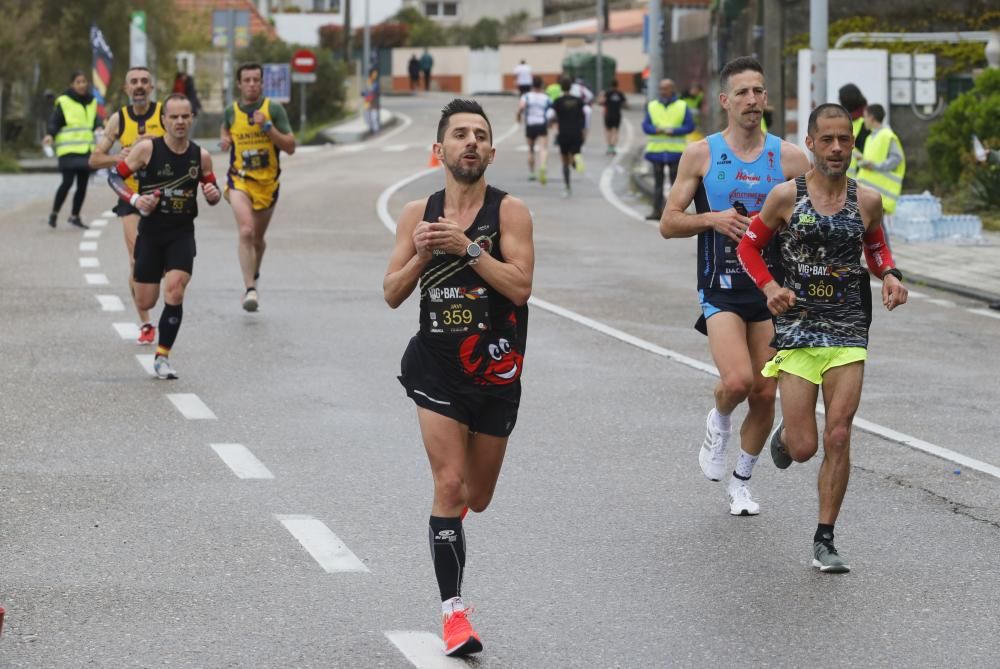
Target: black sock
{"points": [[448, 553], [823, 533], [566, 175], [170, 323]]}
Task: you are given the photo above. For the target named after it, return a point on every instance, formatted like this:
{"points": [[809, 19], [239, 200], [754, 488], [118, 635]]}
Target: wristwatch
{"points": [[473, 250], [894, 272], [267, 125]]}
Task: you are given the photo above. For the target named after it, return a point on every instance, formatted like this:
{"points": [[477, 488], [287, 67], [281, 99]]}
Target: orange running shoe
{"points": [[147, 334], [459, 637]]}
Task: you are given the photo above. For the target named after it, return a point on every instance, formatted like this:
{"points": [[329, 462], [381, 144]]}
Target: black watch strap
{"points": [[893, 272]]}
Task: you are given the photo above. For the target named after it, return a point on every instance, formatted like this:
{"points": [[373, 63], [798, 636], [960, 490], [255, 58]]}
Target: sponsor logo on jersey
{"points": [[449, 293], [752, 201], [747, 177], [724, 160]]}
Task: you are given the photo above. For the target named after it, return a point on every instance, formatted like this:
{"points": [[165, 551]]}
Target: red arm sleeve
{"points": [[209, 179], [877, 253], [749, 251]]}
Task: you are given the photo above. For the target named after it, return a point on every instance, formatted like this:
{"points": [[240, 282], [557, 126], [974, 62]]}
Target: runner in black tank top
{"points": [[169, 170], [469, 247], [823, 221]]}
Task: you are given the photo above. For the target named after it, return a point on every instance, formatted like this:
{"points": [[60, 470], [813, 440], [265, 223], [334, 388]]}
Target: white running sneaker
{"points": [[712, 455], [250, 302], [163, 368], [740, 501]]}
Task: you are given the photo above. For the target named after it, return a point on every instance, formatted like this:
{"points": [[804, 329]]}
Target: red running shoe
{"points": [[147, 334], [459, 637]]}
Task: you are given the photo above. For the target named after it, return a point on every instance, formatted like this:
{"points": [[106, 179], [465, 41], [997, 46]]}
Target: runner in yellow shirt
{"points": [[255, 131]]}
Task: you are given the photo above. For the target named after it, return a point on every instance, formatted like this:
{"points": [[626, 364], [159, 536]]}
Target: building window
{"points": [[450, 9], [431, 8]]}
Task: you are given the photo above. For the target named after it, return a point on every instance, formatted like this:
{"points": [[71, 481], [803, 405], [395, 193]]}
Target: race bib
{"points": [[821, 284], [256, 159], [457, 310]]}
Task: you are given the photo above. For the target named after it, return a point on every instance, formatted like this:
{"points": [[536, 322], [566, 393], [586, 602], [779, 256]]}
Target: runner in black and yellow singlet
{"points": [[823, 221], [469, 246], [140, 119], [169, 170], [255, 132]]}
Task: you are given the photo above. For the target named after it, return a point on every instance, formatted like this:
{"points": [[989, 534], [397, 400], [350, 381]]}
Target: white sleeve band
{"points": [[132, 200]]}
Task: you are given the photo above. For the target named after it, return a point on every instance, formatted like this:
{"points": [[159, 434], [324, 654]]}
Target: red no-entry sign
{"points": [[304, 60]]}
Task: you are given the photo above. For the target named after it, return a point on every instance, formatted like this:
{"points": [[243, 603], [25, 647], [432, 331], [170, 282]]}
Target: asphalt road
{"points": [[127, 541]]}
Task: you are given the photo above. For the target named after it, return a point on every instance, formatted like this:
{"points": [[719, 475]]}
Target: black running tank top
{"points": [[476, 331], [821, 257], [177, 177]]}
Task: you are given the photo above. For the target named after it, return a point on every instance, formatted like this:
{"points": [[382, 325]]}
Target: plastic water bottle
{"points": [[48, 150]]}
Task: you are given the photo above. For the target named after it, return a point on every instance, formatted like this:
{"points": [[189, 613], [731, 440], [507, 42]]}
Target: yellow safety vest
{"points": [[888, 184], [77, 136], [856, 125], [554, 91], [130, 131], [666, 116], [253, 154]]}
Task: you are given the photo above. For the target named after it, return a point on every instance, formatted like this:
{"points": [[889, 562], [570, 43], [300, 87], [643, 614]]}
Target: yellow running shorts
{"points": [[812, 363]]}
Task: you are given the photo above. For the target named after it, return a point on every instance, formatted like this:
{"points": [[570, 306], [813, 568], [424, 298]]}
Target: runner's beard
{"points": [[466, 175], [826, 170]]}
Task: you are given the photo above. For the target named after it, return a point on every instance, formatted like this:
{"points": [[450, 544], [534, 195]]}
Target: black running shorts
{"points": [[156, 253], [612, 121], [536, 131], [570, 145], [751, 308], [123, 209], [436, 389]]}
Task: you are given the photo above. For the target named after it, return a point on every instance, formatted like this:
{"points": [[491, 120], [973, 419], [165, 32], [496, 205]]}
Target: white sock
{"points": [[721, 421], [744, 467], [452, 605]]}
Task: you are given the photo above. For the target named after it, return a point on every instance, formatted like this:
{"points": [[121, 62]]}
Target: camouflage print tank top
{"points": [[821, 257]]}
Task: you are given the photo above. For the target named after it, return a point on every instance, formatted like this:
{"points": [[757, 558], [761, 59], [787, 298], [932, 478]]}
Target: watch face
{"points": [[474, 250]]}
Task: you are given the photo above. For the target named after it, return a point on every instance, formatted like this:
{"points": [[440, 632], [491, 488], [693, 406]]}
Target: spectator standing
{"points": [[426, 63], [522, 75], [413, 68]]}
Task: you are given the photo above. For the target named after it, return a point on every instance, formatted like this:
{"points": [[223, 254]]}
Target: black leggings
{"points": [[82, 177]]}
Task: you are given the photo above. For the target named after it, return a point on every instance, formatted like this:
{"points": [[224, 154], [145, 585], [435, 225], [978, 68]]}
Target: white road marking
{"points": [[985, 312], [308, 149], [127, 330], [88, 246], [96, 279], [325, 547], [108, 214], [92, 234], [99, 222], [919, 296], [90, 262], [191, 406], [146, 360], [111, 303], [395, 148], [941, 303], [608, 174], [382, 208], [243, 463], [353, 148], [424, 650]]}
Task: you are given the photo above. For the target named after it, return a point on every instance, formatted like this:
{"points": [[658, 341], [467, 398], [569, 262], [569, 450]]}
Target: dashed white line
{"points": [[395, 148], [985, 312], [92, 234], [89, 262], [111, 303], [325, 547], [88, 246], [191, 406], [99, 222], [109, 214], [941, 303], [243, 463], [353, 148], [146, 361], [916, 294], [96, 279], [424, 650], [127, 330]]}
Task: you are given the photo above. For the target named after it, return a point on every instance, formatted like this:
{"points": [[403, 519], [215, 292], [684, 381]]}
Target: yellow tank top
{"points": [[253, 154], [131, 129]]}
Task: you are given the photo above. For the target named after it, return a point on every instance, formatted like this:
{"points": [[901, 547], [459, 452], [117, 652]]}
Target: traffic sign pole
{"points": [[304, 72]]}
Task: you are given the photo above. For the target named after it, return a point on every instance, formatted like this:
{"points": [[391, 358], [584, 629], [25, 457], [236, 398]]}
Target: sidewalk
{"points": [[349, 131], [970, 270]]}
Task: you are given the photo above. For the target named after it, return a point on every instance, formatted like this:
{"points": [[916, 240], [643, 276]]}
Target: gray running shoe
{"points": [[163, 368], [250, 300], [712, 456], [778, 453], [825, 557]]}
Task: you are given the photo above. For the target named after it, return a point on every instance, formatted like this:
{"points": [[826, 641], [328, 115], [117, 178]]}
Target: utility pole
{"points": [[819, 41], [599, 82], [347, 32], [774, 72], [655, 48]]}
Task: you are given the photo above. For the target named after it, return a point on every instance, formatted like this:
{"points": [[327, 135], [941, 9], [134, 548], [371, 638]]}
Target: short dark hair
{"points": [[138, 67], [249, 66], [737, 66], [174, 96], [460, 106], [876, 111], [536, 81], [826, 110], [565, 83], [851, 98], [76, 73]]}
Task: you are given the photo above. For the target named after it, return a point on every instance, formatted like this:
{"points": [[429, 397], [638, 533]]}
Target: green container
{"points": [[585, 65]]}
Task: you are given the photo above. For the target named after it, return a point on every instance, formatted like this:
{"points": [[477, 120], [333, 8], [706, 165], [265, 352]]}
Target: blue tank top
{"points": [[730, 180]]}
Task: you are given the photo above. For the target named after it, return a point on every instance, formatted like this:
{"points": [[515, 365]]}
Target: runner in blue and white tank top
{"points": [[728, 176], [533, 108]]}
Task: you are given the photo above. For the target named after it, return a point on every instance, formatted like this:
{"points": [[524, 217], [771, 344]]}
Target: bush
{"points": [[949, 142]]}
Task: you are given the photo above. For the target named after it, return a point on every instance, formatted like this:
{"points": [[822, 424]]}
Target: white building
{"points": [[468, 12]]}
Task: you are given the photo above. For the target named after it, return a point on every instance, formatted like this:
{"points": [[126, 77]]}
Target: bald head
{"points": [[666, 88]]}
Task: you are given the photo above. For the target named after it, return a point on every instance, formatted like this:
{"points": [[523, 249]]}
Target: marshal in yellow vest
{"points": [[666, 116], [253, 155], [77, 136], [888, 184]]}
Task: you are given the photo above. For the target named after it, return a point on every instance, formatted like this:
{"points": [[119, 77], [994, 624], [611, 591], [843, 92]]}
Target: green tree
{"points": [[485, 34], [428, 33], [949, 142]]}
